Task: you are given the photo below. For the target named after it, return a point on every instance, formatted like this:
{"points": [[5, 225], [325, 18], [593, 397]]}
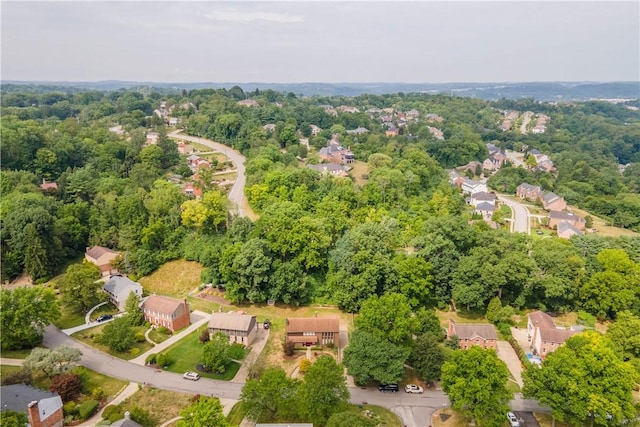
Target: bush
{"points": [[164, 330], [68, 386], [142, 416], [289, 348], [151, 359], [163, 360], [504, 329], [586, 319], [204, 336], [98, 393], [134, 351], [305, 364], [19, 377], [87, 408], [70, 408], [236, 351], [140, 337], [113, 413]]}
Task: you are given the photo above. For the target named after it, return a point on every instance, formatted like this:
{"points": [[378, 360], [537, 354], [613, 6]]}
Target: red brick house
{"points": [[168, 312], [43, 408], [556, 217], [102, 257], [483, 335], [313, 331], [553, 202], [528, 191], [543, 335]]}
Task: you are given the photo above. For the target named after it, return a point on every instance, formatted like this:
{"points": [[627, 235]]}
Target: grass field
{"points": [[175, 278], [185, 355], [162, 405], [85, 336], [545, 420], [604, 229], [359, 169]]}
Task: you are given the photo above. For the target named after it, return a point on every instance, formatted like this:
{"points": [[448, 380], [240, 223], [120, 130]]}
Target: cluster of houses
{"points": [[496, 158], [164, 112], [334, 152], [543, 162], [510, 116]]}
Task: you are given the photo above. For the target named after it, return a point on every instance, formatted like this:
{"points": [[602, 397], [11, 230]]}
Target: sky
{"points": [[303, 41]]}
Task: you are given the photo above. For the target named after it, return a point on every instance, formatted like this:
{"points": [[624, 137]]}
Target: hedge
{"points": [[87, 408]]}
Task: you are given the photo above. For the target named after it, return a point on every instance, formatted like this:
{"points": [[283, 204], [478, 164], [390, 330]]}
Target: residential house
{"points": [[164, 311], [347, 109], [358, 131], [432, 117], [553, 202], [152, 138], [43, 408], [190, 189], [119, 288], [329, 110], [482, 197], [240, 328], [102, 257], [315, 130], [184, 148], [309, 331], [556, 217], [566, 230], [392, 131], [412, 114], [437, 133], [270, 127], [545, 166], [492, 148], [197, 162], [485, 209], [173, 121], [455, 178], [336, 153], [494, 162], [528, 191], [469, 334], [470, 186], [334, 169], [543, 335], [126, 421], [248, 103], [48, 186]]}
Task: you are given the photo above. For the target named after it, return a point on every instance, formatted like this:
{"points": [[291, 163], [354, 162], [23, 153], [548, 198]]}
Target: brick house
{"points": [[553, 202], [102, 257], [240, 328], [164, 311], [528, 191], [543, 335], [335, 153], [469, 334], [556, 217], [43, 408], [566, 230], [309, 331]]}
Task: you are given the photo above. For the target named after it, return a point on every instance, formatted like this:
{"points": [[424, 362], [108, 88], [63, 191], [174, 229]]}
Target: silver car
{"points": [[191, 376]]}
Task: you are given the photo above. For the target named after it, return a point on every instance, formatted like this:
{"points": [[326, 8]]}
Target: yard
{"points": [[185, 355], [87, 336], [359, 169], [162, 405], [175, 278]]}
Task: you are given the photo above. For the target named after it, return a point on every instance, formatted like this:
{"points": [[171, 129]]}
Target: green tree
{"points": [[414, 280], [624, 335], [475, 381], [350, 419], [80, 287], [205, 412], [326, 387], [134, 315], [118, 335], [427, 357], [9, 418], [53, 362], [388, 317], [250, 270], [584, 381], [270, 397], [24, 313], [370, 358], [215, 353]]}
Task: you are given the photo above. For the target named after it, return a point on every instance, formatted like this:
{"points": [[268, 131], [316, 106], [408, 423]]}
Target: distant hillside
{"points": [[543, 91]]}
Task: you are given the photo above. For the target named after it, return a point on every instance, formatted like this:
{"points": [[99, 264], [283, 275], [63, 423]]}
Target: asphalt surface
{"points": [[520, 219]]}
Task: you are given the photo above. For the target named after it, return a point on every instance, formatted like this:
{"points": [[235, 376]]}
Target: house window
{"points": [[308, 334], [544, 350]]}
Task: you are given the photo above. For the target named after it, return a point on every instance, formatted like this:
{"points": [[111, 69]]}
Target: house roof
{"points": [[555, 335], [541, 319], [161, 304], [126, 422], [97, 251], [313, 324], [565, 226], [562, 215], [121, 286], [18, 396], [550, 197], [528, 187], [483, 195], [471, 330], [484, 206], [232, 321], [328, 167]]}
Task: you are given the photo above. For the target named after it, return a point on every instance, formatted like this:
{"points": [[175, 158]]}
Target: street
{"points": [[520, 222]]}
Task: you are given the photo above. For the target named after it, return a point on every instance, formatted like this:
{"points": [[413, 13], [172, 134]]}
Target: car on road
{"points": [[412, 388], [191, 376], [388, 387], [104, 317], [513, 420]]}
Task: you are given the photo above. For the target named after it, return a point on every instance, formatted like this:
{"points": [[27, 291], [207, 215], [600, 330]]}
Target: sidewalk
{"points": [[11, 362], [198, 318]]}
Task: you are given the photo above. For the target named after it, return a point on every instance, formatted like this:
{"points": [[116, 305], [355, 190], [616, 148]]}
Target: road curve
{"points": [[236, 194], [520, 215]]}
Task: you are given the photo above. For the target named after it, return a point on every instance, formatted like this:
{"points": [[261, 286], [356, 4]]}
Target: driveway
{"points": [[509, 356]]}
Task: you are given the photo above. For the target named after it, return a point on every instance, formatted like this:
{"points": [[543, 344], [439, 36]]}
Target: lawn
{"points": [[359, 169], [87, 336], [545, 420], [68, 318], [16, 354], [6, 370], [92, 380], [185, 355], [156, 336], [175, 278], [162, 405], [447, 418], [236, 415]]}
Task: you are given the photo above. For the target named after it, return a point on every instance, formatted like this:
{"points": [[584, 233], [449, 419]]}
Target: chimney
{"points": [[127, 415]]}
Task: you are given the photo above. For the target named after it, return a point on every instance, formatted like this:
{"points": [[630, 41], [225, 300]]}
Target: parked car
{"points": [[412, 388], [191, 376], [388, 387], [104, 317], [513, 420]]}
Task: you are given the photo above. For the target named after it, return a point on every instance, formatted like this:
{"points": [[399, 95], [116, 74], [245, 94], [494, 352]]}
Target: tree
{"points": [[427, 322], [584, 380], [118, 335], [340, 419], [414, 280], [427, 357], [9, 418], [80, 287], [215, 356], [475, 381], [205, 412], [270, 397], [624, 335], [53, 362], [323, 392], [388, 317], [24, 313], [370, 358], [134, 315], [67, 385]]}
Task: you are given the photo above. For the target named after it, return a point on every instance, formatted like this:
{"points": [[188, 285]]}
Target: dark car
{"points": [[389, 387], [104, 317]]}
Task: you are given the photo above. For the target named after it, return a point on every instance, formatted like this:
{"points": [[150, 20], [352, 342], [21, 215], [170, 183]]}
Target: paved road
{"points": [[236, 195], [520, 215]]}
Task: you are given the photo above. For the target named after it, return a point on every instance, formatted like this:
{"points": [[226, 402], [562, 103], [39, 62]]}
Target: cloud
{"points": [[249, 17]]}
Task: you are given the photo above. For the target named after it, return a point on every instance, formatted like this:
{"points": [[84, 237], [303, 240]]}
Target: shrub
{"points": [[68, 386], [151, 359], [289, 348], [204, 336], [586, 319], [134, 351], [305, 364], [195, 397], [331, 345], [97, 393], [87, 408], [236, 351], [19, 377], [164, 330], [141, 416], [113, 413], [70, 408], [140, 337], [163, 360]]}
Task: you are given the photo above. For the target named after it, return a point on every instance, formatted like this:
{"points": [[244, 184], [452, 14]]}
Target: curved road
{"points": [[520, 215], [236, 195], [415, 410]]}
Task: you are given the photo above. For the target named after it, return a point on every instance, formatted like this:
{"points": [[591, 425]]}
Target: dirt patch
{"points": [[215, 295]]}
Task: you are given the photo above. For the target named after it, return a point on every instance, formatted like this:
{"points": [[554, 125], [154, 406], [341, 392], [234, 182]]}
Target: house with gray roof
{"points": [[119, 288], [552, 202], [43, 408], [556, 217], [485, 209], [528, 191], [566, 230], [240, 328], [469, 334], [334, 169]]}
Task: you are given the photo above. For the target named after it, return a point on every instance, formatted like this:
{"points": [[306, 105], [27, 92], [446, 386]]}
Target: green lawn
{"points": [[236, 415], [87, 336], [15, 354], [383, 416], [92, 380], [6, 370], [157, 336], [185, 355], [68, 318]]}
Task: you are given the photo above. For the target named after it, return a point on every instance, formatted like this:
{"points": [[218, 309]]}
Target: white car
{"points": [[513, 420], [412, 388], [191, 376]]}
